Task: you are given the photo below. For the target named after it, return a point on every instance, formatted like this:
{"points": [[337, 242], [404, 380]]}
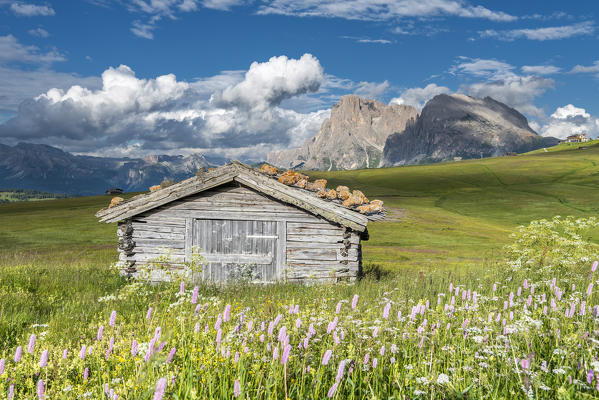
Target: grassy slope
{"points": [[461, 213]]}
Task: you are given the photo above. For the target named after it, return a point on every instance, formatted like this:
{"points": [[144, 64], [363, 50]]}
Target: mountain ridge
{"points": [[47, 168]]}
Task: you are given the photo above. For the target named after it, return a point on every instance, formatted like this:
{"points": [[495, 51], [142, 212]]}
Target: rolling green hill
{"points": [[451, 215]]}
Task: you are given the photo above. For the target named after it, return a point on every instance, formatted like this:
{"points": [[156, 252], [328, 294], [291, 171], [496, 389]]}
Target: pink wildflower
{"points": [[171, 354], [354, 302], [332, 390], [40, 389], [112, 318], [285, 355], [31, 345], [44, 359], [160, 389], [326, 357], [237, 388], [386, 310], [18, 354], [227, 313], [340, 370]]}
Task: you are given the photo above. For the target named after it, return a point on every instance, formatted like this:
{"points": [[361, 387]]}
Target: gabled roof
{"points": [[245, 175]]}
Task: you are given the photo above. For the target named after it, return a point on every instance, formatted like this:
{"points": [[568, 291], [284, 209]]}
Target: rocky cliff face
{"points": [[353, 137], [462, 126], [46, 168]]}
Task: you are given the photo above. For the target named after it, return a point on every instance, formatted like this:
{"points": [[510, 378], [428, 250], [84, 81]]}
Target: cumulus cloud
{"points": [[236, 110], [417, 97], [541, 34], [267, 84], [381, 10], [570, 120], [31, 10], [503, 84]]}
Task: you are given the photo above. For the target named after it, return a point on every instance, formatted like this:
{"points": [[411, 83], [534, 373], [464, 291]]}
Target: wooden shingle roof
{"points": [[245, 175]]}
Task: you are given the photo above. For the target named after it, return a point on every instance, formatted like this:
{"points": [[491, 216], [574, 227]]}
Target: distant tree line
{"points": [[11, 195]]}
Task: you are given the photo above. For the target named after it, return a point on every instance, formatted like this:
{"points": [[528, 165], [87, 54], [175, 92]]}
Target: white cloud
{"points": [[540, 69], [482, 67], [143, 30], [366, 40], [548, 33], [267, 84], [570, 120], [502, 84], [39, 32], [166, 115], [590, 69], [371, 90], [31, 10], [18, 85], [417, 97], [11, 50], [570, 112], [381, 10], [152, 11], [224, 5]]}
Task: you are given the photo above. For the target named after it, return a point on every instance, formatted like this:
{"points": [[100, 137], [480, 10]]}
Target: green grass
{"points": [[459, 213], [446, 223]]}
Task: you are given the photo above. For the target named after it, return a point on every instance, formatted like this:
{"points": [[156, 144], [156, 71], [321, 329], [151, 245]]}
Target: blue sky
{"points": [[132, 77]]}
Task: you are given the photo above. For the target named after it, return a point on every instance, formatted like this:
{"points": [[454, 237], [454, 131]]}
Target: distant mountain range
{"points": [[46, 168], [368, 134]]}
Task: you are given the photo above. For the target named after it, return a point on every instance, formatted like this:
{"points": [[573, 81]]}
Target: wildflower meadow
{"points": [[527, 327]]}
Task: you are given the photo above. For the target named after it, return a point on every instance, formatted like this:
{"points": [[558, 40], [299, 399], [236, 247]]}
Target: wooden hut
{"points": [[237, 215]]}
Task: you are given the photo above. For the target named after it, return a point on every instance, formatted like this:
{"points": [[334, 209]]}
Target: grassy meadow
{"points": [[455, 313]]}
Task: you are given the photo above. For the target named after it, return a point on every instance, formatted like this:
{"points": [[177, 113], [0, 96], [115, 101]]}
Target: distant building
{"points": [[114, 191], [579, 138]]}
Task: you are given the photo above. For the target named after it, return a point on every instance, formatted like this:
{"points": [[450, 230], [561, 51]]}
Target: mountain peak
{"points": [[462, 126], [353, 137]]}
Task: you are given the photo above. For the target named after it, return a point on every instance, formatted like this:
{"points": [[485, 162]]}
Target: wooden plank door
{"points": [[238, 249]]}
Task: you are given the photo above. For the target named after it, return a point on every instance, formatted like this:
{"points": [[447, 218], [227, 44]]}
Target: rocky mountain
{"points": [[46, 168], [353, 137], [462, 126]]}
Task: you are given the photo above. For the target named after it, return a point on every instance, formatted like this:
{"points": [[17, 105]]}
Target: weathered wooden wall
{"points": [[311, 247]]}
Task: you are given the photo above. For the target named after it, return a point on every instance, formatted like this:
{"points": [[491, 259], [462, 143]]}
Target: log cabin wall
{"points": [[233, 224]]}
